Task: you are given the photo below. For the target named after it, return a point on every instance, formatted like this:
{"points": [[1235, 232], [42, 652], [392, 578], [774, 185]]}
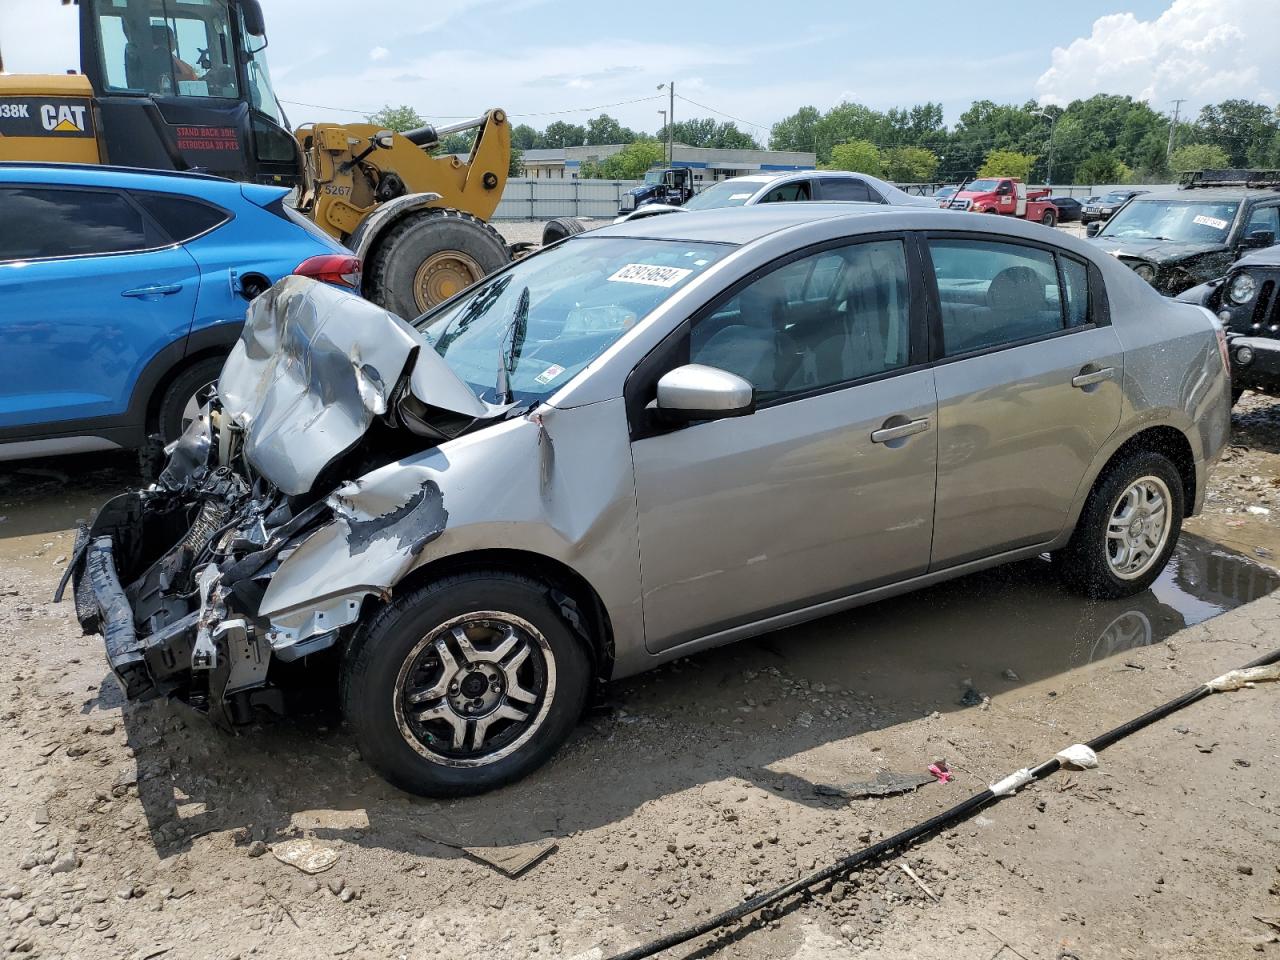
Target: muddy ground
{"points": [[137, 831]]}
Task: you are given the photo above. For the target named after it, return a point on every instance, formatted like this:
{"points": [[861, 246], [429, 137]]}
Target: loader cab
{"points": [[183, 84]]}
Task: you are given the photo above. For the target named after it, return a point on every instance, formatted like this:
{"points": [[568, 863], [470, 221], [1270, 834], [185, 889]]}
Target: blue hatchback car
{"points": [[122, 291]]}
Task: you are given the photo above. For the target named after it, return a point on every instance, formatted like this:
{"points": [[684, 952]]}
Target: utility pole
{"points": [[1173, 128]]}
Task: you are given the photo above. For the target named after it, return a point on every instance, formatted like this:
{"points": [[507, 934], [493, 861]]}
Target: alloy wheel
{"points": [[1138, 528]]}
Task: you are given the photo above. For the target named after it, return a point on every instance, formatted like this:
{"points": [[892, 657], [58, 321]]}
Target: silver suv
{"points": [[639, 443]]}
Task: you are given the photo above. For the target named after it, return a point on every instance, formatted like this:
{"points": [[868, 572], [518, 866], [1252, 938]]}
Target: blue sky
{"points": [[753, 61]]}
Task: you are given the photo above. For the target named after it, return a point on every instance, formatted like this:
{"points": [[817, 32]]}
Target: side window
{"points": [[847, 188], [179, 217], [829, 318], [994, 293], [1264, 220], [788, 193], [163, 48], [42, 222], [1076, 276]]}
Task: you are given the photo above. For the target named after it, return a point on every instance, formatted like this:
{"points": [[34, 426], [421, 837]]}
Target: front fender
{"points": [[384, 217]]}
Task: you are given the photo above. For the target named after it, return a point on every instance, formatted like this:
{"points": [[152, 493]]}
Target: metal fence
{"points": [[528, 198], [531, 198]]}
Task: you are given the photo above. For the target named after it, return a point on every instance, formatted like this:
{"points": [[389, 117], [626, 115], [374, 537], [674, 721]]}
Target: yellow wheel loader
{"points": [[183, 85]]}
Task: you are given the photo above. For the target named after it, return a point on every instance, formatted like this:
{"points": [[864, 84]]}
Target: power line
{"points": [[703, 106]]}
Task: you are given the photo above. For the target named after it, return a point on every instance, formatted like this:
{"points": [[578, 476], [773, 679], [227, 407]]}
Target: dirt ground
{"points": [[138, 831]]}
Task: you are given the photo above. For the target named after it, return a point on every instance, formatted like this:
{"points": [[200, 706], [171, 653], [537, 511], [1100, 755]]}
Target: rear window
{"points": [[42, 222], [181, 218]]}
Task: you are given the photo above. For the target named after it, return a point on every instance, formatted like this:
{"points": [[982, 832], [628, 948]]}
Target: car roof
{"points": [[1211, 193], [104, 175], [743, 225]]}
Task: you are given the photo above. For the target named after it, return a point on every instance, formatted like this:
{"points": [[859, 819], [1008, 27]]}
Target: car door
{"points": [[827, 488], [1028, 375], [90, 291]]}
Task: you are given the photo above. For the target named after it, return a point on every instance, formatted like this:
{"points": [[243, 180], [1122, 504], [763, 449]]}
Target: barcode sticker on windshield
{"points": [[549, 374], [650, 275], [1211, 222]]}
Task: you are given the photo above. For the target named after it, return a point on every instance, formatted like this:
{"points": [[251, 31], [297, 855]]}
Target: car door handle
{"points": [[908, 429], [153, 291], [1088, 379]]}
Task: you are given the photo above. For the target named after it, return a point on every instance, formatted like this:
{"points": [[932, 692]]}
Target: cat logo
{"points": [[62, 118]]}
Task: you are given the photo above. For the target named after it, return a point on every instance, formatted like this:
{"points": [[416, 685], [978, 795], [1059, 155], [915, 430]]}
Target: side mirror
{"points": [[384, 139], [1092, 229], [698, 392], [1258, 240], [254, 24]]}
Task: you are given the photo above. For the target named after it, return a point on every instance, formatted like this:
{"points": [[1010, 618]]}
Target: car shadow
{"points": [[744, 711]]}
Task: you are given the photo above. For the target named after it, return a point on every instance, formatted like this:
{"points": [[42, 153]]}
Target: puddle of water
{"points": [[919, 649]]}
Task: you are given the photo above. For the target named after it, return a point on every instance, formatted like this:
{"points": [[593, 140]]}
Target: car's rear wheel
{"points": [[464, 684], [1128, 528], [1049, 219]]}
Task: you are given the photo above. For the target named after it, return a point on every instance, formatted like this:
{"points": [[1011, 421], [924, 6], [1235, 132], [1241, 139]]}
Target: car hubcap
{"points": [[193, 405], [442, 275], [1138, 528], [475, 689]]}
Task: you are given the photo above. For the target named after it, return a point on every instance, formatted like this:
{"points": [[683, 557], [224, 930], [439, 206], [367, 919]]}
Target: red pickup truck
{"points": [[1006, 195]]}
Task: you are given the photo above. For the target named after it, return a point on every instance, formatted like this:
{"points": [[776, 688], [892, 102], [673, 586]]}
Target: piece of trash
{"points": [[971, 698], [305, 854], [886, 783], [1247, 677], [511, 860], [920, 883], [1206, 747], [1258, 511], [1134, 666], [1078, 757], [941, 772]]}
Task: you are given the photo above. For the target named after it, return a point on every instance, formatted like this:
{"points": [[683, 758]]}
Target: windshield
{"points": [[726, 193], [1187, 220], [167, 48], [1116, 198], [653, 176], [946, 191], [582, 296], [981, 186]]}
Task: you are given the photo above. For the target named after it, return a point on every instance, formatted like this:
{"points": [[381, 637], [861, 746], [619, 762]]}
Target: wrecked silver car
{"points": [[641, 442]]}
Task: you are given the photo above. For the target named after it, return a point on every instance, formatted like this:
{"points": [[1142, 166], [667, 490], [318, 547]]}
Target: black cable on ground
{"points": [[912, 835]]}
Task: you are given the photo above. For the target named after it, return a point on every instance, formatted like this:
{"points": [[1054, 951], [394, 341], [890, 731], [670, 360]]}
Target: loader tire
{"points": [[559, 228], [429, 256]]}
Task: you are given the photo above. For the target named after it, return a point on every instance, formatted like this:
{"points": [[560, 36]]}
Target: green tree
{"points": [[455, 143], [524, 137], [604, 129], [561, 134], [1007, 163], [632, 161], [705, 132], [909, 164], [399, 119], [1242, 129], [796, 132], [515, 168], [1199, 156], [1101, 167], [858, 156]]}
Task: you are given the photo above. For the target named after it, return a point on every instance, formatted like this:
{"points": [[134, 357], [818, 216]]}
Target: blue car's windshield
{"points": [[583, 295]]}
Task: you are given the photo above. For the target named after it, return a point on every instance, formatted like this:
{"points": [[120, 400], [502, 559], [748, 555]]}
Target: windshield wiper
{"points": [[510, 347]]}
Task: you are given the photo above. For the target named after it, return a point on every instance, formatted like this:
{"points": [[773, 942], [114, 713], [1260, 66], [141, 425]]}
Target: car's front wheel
{"points": [[464, 684], [1128, 528]]}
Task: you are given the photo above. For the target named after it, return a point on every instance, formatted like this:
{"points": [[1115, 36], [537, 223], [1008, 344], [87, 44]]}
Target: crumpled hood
{"points": [[1266, 257], [312, 369], [1156, 251]]}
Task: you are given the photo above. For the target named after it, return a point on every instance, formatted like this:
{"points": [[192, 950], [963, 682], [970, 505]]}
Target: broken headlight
{"points": [[1146, 271]]}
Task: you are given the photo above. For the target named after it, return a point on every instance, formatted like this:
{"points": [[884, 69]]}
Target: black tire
{"points": [[1049, 219], [383, 653], [391, 280], [1084, 563], [191, 382], [559, 228]]}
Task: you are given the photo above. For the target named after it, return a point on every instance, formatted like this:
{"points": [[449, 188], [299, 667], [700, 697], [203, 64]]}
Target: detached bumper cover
{"points": [[124, 650]]}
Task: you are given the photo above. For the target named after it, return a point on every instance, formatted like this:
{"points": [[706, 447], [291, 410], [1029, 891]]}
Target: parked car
{"points": [[1069, 209], [645, 441], [1247, 301], [1100, 208], [788, 188], [944, 194], [122, 291], [1176, 239]]}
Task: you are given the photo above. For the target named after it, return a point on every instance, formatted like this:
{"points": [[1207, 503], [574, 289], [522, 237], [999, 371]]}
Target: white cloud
{"points": [[1203, 50], [379, 53]]}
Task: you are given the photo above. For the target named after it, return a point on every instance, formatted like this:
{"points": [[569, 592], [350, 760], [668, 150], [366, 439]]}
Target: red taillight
{"points": [[340, 269]]}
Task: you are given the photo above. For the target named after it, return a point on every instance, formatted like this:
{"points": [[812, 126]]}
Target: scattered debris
{"points": [[510, 861], [941, 772], [885, 784], [306, 854], [919, 883]]}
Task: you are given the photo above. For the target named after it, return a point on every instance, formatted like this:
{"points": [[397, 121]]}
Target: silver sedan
{"points": [[643, 442]]}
